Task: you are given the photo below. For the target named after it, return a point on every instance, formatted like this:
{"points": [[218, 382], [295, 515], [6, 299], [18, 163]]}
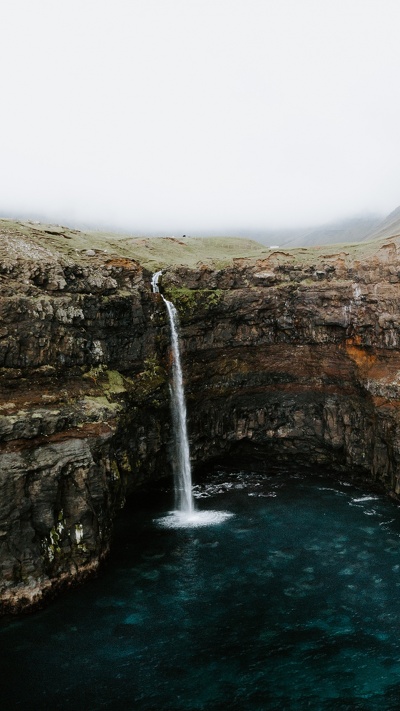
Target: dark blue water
{"points": [[293, 603]]}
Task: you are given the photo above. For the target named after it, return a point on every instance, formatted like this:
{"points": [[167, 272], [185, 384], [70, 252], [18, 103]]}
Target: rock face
{"points": [[77, 365], [291, 360], [298, 363]]}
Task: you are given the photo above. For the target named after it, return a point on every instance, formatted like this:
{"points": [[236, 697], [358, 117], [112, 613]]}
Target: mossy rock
{"points": [[149, 380], [189, 302]]}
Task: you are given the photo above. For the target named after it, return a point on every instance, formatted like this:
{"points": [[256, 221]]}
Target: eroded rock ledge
{"points": [[290, 359]]}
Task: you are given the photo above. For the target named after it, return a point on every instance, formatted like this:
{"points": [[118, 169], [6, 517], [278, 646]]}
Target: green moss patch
{"points": [[149, 380], [191, 301]]}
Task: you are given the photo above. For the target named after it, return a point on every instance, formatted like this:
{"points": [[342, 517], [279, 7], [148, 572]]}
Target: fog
{"points": [[185, 116]]}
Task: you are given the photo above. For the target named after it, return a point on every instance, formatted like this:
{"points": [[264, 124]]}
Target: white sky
{"points": [[188, 115]]}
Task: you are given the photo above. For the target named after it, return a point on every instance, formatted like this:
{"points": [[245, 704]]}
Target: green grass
{"points": [[189, 251]]}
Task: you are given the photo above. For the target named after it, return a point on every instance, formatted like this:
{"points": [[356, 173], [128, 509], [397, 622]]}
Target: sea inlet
{"points": [[292, 602]]}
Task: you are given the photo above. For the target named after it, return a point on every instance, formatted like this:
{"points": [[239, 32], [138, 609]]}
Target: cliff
{"points": [[291, 359]]}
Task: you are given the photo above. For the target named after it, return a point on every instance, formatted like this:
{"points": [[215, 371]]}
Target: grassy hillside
{"points": [[151, 252], [34, 241]]}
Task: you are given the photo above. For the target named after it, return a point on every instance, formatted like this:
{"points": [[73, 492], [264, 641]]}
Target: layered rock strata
{"points": [[302, 362], [290, 360]]}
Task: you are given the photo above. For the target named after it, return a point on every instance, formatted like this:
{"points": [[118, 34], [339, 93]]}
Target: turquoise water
{"points": [[292, 603]]}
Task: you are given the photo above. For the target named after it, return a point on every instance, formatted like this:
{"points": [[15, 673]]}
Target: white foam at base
{"points": [[194, 519], [366, 498]]}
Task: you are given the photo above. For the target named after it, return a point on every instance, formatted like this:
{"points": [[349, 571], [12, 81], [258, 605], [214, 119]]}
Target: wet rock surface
{"points": [[291, 359]]}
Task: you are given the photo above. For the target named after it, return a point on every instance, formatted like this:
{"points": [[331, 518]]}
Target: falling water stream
{"points": [[184, 514], [181, 458]]}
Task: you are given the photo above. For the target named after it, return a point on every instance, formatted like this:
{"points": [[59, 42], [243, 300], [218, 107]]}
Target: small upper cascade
{"points": [[154, 282]]}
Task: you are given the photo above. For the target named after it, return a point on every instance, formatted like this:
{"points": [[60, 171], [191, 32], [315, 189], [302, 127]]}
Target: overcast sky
{"points": [[188, 115]]}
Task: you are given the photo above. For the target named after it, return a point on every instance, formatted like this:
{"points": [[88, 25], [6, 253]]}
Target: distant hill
{"points": [[388, 227], [352, 230], [357, 229]]}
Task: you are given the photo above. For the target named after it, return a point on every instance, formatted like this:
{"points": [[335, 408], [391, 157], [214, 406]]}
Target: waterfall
{"points": [[181, 458], [185, 514]]}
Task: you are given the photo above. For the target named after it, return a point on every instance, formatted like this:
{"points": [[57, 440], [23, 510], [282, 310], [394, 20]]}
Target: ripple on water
{"points": [[135, 618], [195, 519]]}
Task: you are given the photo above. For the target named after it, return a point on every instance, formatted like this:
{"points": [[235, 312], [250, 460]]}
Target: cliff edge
{"points": [[291, 358]]}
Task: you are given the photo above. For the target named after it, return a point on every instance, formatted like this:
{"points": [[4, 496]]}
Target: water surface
{"points": [[292, 603]]}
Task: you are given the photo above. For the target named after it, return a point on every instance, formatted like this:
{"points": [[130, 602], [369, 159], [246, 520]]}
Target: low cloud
{"points": [[188, 117]]}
